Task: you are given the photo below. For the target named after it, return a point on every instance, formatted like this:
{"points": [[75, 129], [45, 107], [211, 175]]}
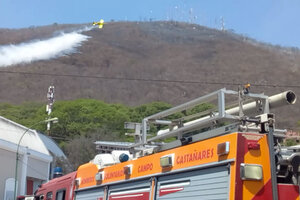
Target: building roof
{"points": [[52, 146], [11, 132]]}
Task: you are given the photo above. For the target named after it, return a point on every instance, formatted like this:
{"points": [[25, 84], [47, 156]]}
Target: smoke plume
{"points": [[61, 45]]}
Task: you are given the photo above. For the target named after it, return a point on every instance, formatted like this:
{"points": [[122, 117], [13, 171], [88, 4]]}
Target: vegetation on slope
{"points": [[84, 121], [81, 122]]}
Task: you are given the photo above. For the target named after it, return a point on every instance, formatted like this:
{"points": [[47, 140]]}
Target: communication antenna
{"points": [[50, 97], [222, 23], [176, 14], [150, 16], [191, 15]]}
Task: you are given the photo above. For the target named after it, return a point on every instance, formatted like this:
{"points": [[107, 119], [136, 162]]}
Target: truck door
{"points": [[211, 183], [94, 193], [135, 190]]}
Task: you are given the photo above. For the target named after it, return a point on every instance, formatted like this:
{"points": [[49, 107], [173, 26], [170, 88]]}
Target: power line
{"points": [[147, 80]]}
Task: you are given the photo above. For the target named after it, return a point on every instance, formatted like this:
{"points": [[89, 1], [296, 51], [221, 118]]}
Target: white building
{"points": [[33, 164]]}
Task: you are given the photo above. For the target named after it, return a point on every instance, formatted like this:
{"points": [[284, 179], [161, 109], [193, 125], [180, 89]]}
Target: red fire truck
{"points": [[221, 153]]}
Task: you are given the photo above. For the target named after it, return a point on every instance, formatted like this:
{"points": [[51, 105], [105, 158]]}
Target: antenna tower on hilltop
{"points": [[222, 23]]}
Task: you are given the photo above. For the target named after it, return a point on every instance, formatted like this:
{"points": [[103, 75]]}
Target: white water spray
{"points": [[61, 45]]}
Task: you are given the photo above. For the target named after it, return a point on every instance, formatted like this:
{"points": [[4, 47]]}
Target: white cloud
{"points": [[63, 44]]}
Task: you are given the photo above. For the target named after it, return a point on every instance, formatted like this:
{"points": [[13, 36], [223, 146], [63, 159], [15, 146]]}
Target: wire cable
{"points": [[148, 80]]}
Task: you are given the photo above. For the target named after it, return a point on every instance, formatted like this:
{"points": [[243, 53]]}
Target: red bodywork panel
{"points": [[288, 192], [66, 182]]}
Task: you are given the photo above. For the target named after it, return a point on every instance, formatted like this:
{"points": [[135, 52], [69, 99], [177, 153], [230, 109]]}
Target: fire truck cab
{"points": [[61, 188]]}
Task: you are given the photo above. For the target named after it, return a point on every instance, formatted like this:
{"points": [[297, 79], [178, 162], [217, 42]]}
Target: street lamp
{"points": [[54, 120]]}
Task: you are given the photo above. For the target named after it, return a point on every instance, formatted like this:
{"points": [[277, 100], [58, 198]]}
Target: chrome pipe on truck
{"points": [[275, 101]]}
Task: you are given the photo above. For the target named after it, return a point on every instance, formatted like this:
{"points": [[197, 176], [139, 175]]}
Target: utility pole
{"points": [[50, 97]]}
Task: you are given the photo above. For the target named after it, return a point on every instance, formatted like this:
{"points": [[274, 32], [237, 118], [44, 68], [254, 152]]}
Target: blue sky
{"points": [[271, 21]]}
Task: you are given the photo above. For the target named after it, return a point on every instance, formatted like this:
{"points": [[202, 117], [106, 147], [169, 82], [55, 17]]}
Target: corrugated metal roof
{"points": [[52, 146]]}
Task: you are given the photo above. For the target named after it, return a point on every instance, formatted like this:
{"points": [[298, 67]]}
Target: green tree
{"points": [[84, 121]]}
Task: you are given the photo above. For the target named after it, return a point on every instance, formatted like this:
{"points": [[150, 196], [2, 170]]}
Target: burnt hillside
{"points": [[135, 63]]}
